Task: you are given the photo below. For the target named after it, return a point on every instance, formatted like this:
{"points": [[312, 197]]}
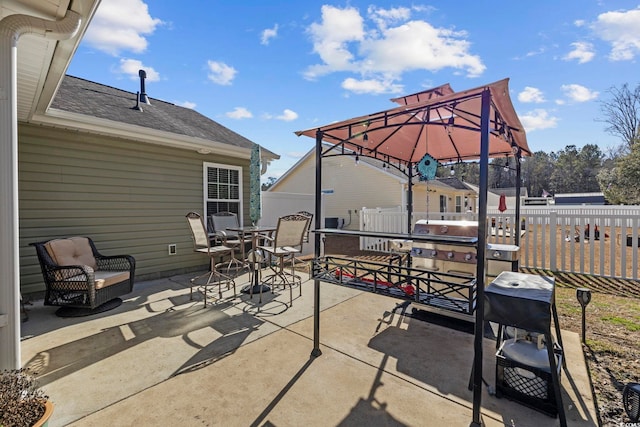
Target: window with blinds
{"points": [[223, 189]]}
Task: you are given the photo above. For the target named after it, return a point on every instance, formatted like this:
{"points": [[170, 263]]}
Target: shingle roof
{"points": [[81, 96], [509, 191], [454, 182]]}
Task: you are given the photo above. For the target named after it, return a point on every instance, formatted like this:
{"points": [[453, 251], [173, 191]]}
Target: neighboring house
{"points": [[96, 165], [493, 196], [579, 199], [348, 187]]}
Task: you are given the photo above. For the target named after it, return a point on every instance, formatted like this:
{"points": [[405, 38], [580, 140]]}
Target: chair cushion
{"points": [[71, 251], [104, 278], [108, 278]]}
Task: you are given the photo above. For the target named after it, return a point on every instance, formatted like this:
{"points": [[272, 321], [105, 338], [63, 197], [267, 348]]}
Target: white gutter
{"points": [[12, 28]]}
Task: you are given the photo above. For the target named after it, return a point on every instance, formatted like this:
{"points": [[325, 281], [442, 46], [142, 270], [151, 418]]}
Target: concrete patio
{"points": [[161, 359]]}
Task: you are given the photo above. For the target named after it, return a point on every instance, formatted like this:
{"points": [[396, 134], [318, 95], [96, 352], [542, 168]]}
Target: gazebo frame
{"points": [[440, 124]]}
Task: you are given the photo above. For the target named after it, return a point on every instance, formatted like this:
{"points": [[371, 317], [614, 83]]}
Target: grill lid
{"points": [[446, 228]]}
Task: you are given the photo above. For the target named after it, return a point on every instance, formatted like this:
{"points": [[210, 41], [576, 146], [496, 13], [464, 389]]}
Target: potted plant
{"points": [[22, 402]]}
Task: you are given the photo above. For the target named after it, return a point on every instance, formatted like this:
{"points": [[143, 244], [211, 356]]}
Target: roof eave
{"points": [[52, 75], [79, 122]]}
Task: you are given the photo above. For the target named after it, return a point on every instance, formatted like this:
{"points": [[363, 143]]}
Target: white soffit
{"points": [[42, 62]]}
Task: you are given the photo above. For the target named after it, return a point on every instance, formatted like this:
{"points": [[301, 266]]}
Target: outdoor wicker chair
{"points": [[80, 279]]}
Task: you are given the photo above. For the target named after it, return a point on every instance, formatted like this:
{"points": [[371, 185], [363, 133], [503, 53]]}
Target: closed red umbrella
{"points": [[502, 206]]}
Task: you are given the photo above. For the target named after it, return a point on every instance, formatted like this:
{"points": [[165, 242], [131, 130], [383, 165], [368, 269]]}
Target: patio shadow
{"points": [[58, 362]]}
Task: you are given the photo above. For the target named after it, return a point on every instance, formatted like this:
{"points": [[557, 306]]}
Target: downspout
{"points": [[12, 28]]}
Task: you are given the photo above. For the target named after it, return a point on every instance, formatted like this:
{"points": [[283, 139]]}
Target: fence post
{"points": [[553, 240]]}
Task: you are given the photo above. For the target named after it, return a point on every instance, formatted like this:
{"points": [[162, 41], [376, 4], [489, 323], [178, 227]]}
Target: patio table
{"points": [[254, 231]]}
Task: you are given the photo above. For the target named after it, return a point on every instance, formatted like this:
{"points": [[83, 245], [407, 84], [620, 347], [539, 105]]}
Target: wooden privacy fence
{"points": [[597, 240]]}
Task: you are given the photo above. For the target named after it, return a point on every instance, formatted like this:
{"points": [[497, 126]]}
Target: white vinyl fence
{"points": [[597, 240]]}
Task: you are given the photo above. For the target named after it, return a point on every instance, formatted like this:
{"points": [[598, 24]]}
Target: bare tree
{"points": [[622, 113]]}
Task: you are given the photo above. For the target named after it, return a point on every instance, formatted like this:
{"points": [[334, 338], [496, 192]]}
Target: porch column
{"points": [[11, 28]]}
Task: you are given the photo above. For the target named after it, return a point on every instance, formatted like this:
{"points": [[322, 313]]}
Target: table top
{"points": [[253, 228]]}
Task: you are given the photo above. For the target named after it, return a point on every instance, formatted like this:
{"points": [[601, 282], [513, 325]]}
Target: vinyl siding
{"points": [[129, 197], [354, 187]]}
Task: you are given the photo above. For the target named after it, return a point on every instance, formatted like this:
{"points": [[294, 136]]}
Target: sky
{"points": [[266, 69]]}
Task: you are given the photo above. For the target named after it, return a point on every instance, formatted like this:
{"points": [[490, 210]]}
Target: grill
{"points": [[445, 257], [451, 258]]}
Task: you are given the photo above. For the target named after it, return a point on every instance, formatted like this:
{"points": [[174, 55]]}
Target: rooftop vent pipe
{"points": [[143, 94], [137, 106]]}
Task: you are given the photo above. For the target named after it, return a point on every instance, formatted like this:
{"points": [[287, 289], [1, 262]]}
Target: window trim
{"points": [[205, 184]]}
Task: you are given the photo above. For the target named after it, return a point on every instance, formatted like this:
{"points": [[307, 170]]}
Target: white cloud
{"points": [[579, 22], [531, 94], [371, 86], [384, 17], [538, 119], [187, 104], [622, 30], [331, 38], [395, 51], [578, 93], [287, 115], [582, 51], [220, 73], [268, 34], [121, 25], [386, 49], [131, 67], [536, 52], [239, 113]]}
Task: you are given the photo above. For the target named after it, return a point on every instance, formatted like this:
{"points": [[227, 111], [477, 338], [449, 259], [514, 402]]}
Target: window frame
{"points": [[458, 199], [205, 188]]}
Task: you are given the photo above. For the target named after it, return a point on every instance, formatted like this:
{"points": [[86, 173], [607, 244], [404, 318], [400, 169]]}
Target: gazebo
{"points": [[428, 129]]}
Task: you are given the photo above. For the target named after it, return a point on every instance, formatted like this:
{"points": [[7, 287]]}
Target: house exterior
{"points": [[77, 158], [347, 187], [96, 165]]}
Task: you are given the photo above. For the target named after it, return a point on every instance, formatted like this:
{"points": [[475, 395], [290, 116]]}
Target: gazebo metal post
{"points": [[516, 227], [316, 283], [410, 197], [481, 250]]}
